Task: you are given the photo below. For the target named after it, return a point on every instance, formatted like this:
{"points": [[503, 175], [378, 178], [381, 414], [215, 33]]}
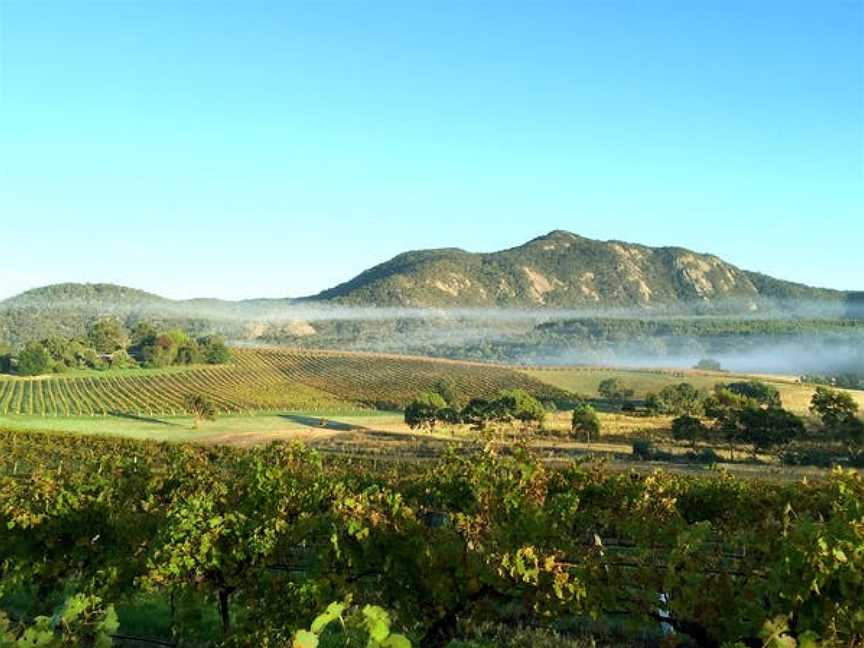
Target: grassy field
{"points": [[584, 381], [384, 436]]}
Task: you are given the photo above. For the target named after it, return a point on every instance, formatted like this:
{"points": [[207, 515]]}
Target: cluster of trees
{"points": [[751, 413], [708, 364], [748, 413], [510, 407], [621, 328], [176, 347], [851, 380], [108, 344], [611, 389], [685, 399]]}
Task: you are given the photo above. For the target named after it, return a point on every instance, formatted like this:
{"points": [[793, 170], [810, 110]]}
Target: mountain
{"points": [[559, 270], [564, 270]]}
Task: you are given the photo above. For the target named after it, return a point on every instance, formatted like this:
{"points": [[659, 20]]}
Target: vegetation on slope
{"points": [[109, 345], [562, 269], [558, 270]]}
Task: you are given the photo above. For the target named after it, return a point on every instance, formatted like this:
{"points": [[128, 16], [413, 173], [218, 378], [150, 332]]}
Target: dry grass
{"points": [[584, 381]]}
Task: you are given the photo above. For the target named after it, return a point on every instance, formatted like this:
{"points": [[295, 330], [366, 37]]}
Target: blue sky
{"points": [[247, 148]]}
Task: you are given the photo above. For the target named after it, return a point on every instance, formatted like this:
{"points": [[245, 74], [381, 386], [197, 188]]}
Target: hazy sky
{"points": [[276, 148]]}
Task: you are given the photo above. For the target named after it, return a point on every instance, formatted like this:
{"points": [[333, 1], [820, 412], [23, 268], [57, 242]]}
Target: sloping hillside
{"points": [[562, 269], [559, 270], [264, 379]]}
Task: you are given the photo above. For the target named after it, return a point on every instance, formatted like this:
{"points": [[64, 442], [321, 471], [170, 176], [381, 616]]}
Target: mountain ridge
{"points": [[563, 269], [557, 270]]}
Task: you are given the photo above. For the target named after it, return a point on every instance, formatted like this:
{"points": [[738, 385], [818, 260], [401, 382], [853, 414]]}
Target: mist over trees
{"points": [[816, 340]]}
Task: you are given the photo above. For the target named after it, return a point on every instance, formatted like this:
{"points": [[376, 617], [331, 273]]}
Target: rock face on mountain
{"points": [[559, 270]]}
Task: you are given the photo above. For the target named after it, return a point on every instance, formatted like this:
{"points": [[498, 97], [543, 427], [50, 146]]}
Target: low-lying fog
{"points": [[773, 357], [773, 337]]}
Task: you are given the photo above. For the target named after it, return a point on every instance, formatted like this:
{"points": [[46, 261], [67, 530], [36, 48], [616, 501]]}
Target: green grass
{"points": [[181, 429]]}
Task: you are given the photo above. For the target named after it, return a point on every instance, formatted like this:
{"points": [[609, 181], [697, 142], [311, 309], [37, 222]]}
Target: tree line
{"points": [[751, 413], [110, 345], [511, 406]]}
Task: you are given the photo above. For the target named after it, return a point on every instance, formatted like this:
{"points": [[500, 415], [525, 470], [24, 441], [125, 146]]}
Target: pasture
{"points": [[585, 380]]}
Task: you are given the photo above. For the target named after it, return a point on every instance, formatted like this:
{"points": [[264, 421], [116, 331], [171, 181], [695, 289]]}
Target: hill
{"points": [[558, 271], [66, 310], [565, 270], [102, 295]]}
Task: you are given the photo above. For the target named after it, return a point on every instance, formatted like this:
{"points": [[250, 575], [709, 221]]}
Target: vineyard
{"points": [[224, 547], [260, 380]]}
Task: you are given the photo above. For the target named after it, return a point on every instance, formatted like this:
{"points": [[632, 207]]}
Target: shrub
{"points": [[643, 449], [703, 456], [585, 421], [519, 405], [201, 407]]}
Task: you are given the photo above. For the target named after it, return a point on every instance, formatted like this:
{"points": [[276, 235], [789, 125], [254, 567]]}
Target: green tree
{"points": [[188, 353], [120, 359], [33, 360], [143, 334], [832, 406], [519, 405], [608, 388], [678, 400], [838, 412], [476, 413], [162, 353], [765, 429], [708, 364], [7, 354], [688, 428], [425, 410], [201, 407], [763, 393], [448, 390], [611, 389], [724, 407], [214, 350], [585, 421], [107, 335]]}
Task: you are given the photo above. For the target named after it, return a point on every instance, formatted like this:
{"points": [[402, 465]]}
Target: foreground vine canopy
{"points": [[268, 537]]}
